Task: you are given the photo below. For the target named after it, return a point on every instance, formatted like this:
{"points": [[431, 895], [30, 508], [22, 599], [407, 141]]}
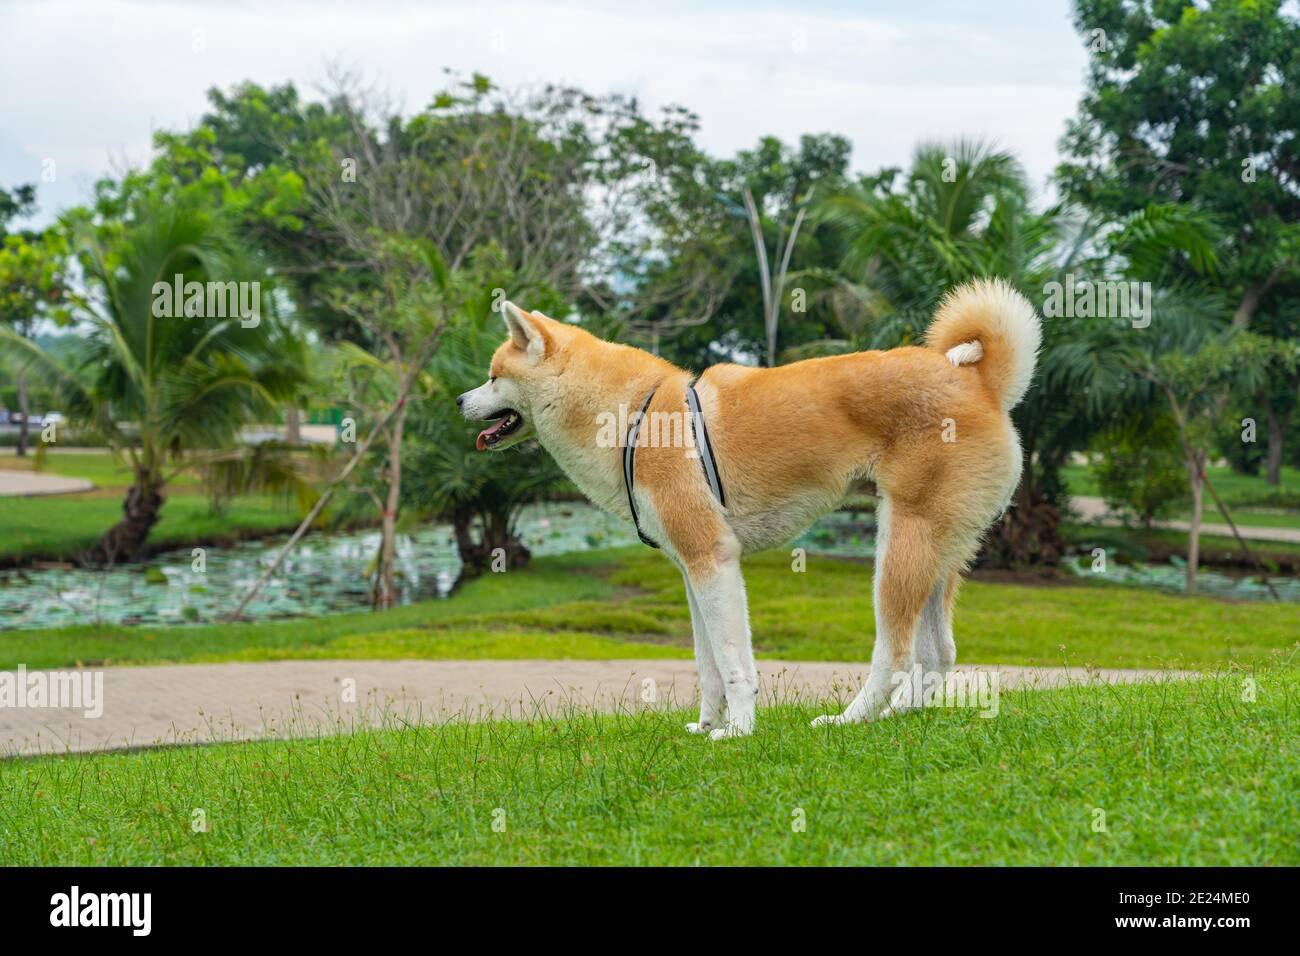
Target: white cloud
{"points": [[87, 81]]}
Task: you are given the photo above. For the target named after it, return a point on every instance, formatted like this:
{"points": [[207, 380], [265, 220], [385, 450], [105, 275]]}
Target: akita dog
{"points": [[772, 449]]}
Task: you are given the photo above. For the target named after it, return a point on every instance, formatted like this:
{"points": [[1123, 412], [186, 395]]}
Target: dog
{"points": [[929, 424]]}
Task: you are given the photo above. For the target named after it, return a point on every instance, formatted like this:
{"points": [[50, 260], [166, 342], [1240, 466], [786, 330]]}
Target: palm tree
{"points": [[964, 213], [162, 387]]}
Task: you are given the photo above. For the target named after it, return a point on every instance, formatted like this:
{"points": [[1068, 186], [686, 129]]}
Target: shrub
{"points": [[1139, 469]]}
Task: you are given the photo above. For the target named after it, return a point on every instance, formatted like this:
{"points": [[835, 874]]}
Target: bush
{"points": [[1139, 468]]}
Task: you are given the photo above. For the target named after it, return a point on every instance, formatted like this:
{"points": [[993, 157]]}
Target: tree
{"points": [[1193, 381], [410, 202], [1139, 467], [753, 203], [1193, 104], [962, 212], [165, 377], [32, 267], [480, 495]]}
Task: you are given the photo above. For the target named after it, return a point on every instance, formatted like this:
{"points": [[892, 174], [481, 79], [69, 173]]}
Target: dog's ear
{"points": [[528, 332]]}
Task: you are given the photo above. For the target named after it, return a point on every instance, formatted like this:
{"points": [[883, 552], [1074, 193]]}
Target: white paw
{"points": [[729, 731], [836, 720], [699, 726]]}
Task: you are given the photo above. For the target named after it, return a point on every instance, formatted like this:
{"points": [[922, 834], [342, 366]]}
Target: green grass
{"points": [[1238, 491], [1246, 518], [99, 467], [62, 526], [1181, 773], [630, 603], [1140, 543]]}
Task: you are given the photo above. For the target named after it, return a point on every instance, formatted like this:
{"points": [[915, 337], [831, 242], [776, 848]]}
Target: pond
{"points": [[327, 572], [1242, 586]]}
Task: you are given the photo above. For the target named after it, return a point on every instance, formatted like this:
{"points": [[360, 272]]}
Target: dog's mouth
{"points": [[505, 423]]}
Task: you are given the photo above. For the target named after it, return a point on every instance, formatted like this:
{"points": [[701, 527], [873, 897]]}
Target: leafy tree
{"points": [[32, 279], [751, 199], [1139, 466], [480, 495], [164, 383], [411, 202], [962, 212], [1191, 103], [1193, 380]]}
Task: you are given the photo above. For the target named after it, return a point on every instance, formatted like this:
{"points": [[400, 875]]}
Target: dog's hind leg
{"points": [[936, 651], [711, 691], [907, 569]]}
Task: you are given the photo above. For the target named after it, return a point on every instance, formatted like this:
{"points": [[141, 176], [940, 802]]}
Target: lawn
{"points": [[630, 603], [62, 527], [1246, 518], [1250, 500], [1197, 772], [99, 467]]}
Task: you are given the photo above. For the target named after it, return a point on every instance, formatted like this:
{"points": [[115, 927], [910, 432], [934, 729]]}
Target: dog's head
{"points": [[520, 381]]}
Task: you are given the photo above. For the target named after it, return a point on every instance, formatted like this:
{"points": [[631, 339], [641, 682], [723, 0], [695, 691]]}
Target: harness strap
{"points": [[629, 454], [702, 442]]}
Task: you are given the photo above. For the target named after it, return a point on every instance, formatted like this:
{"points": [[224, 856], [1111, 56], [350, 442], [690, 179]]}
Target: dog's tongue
{"points": [[481, 442]]}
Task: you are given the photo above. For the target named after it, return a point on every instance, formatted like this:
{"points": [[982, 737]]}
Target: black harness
{"points": [[702, 444]]}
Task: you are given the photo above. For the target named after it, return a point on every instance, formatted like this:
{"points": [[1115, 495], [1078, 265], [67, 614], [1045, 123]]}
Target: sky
{"points": [[85, 83]]}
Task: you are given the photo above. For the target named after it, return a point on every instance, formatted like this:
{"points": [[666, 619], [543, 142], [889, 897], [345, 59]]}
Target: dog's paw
{"points": [[892, 711], [837, 720], [729, 731], [699, 726]]}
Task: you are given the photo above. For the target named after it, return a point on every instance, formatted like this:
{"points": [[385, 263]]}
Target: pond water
{"points": [[326, 573], [1170, 577]]}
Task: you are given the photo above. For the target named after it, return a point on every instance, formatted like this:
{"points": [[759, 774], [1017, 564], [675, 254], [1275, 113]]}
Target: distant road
{"points": [[30, 484], [1094, 511]]}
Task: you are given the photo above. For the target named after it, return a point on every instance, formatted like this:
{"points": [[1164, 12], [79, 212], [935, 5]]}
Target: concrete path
{"points": [[1094, 511], [203, 703], [30, 484]]}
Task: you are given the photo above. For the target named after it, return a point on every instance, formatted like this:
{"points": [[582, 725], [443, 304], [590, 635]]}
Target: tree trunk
{"points": [[1196, 477], [1246, 309], [1277, 423], [21, 383], [293, 425], [385, 595], [495, 541], [125, 540]]}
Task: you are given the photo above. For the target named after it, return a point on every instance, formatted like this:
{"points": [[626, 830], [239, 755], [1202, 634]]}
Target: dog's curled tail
{"points": [[989, 324]]}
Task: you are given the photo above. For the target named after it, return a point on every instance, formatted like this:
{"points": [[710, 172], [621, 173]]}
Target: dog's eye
{"points": [[491, 379]]}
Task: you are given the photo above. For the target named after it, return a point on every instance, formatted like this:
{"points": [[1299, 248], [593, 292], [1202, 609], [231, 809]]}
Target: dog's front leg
{"points": [[711, 695], [719, 590]]}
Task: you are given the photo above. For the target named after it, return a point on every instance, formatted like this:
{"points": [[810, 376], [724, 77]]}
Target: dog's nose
{"points": [[460, 400]]}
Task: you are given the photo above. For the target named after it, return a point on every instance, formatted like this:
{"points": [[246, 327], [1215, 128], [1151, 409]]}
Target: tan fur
{"points": [[790, 440]]}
